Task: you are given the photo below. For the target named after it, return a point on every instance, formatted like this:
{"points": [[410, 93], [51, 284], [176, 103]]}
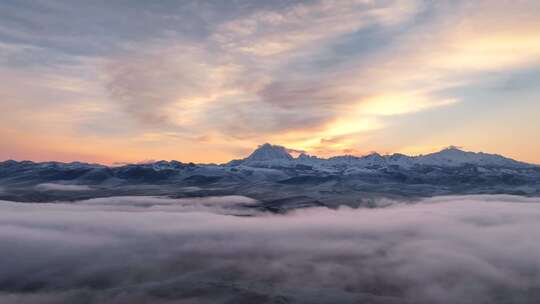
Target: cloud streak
{"points": [[61, 187], [441, 250]]}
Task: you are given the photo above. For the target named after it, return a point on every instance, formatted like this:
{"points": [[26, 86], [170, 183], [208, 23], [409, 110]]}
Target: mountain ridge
{"points": [[270, 174], [451, 155]]}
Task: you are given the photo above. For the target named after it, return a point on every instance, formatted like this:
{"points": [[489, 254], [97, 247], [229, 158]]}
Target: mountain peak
{"points": [[304, 155], [452, 148], [453, 155], [267, 152]]}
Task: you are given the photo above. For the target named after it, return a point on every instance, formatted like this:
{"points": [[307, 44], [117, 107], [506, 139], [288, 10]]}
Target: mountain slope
{"points": [[453, 156]]}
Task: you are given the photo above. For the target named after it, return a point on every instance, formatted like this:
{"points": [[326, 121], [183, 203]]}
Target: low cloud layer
{"points": [[61, 187], [479, 249], [227, 205]]}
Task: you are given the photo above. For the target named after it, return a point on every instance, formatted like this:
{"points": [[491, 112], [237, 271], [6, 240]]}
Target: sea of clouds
{"points": [[466, 249]]}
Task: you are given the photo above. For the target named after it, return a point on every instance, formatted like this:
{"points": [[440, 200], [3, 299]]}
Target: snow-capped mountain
{"points": [[269, 155], [271, 174], [268, 152], [452, 156]]}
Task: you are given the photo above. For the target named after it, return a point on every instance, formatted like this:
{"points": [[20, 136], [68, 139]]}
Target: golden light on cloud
{"points": [[489, 51], [337, 135], [351, 125], [396, 104]]}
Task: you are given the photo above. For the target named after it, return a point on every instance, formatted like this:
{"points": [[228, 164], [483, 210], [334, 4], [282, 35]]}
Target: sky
{"points": [[208, 81]]}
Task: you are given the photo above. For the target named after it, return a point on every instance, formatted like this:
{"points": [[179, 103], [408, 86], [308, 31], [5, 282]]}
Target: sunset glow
{"points": [[207, 82]]}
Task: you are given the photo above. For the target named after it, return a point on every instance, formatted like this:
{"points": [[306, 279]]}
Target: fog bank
{"points": [[468, 249], [61, 187]]}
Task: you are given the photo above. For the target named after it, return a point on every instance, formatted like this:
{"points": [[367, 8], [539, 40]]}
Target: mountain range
{"points": [[452, 156], [278, 180]]}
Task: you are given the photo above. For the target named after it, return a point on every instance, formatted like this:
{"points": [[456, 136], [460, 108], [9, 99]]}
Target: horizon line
{"points": [[288, 150]]}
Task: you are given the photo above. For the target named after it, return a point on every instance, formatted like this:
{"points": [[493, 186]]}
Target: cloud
{"points": [[229, 204], [295, 151], [229, 82], [301, 25], [61, 187], [477, 249], [289, 72], [166, 85]]}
